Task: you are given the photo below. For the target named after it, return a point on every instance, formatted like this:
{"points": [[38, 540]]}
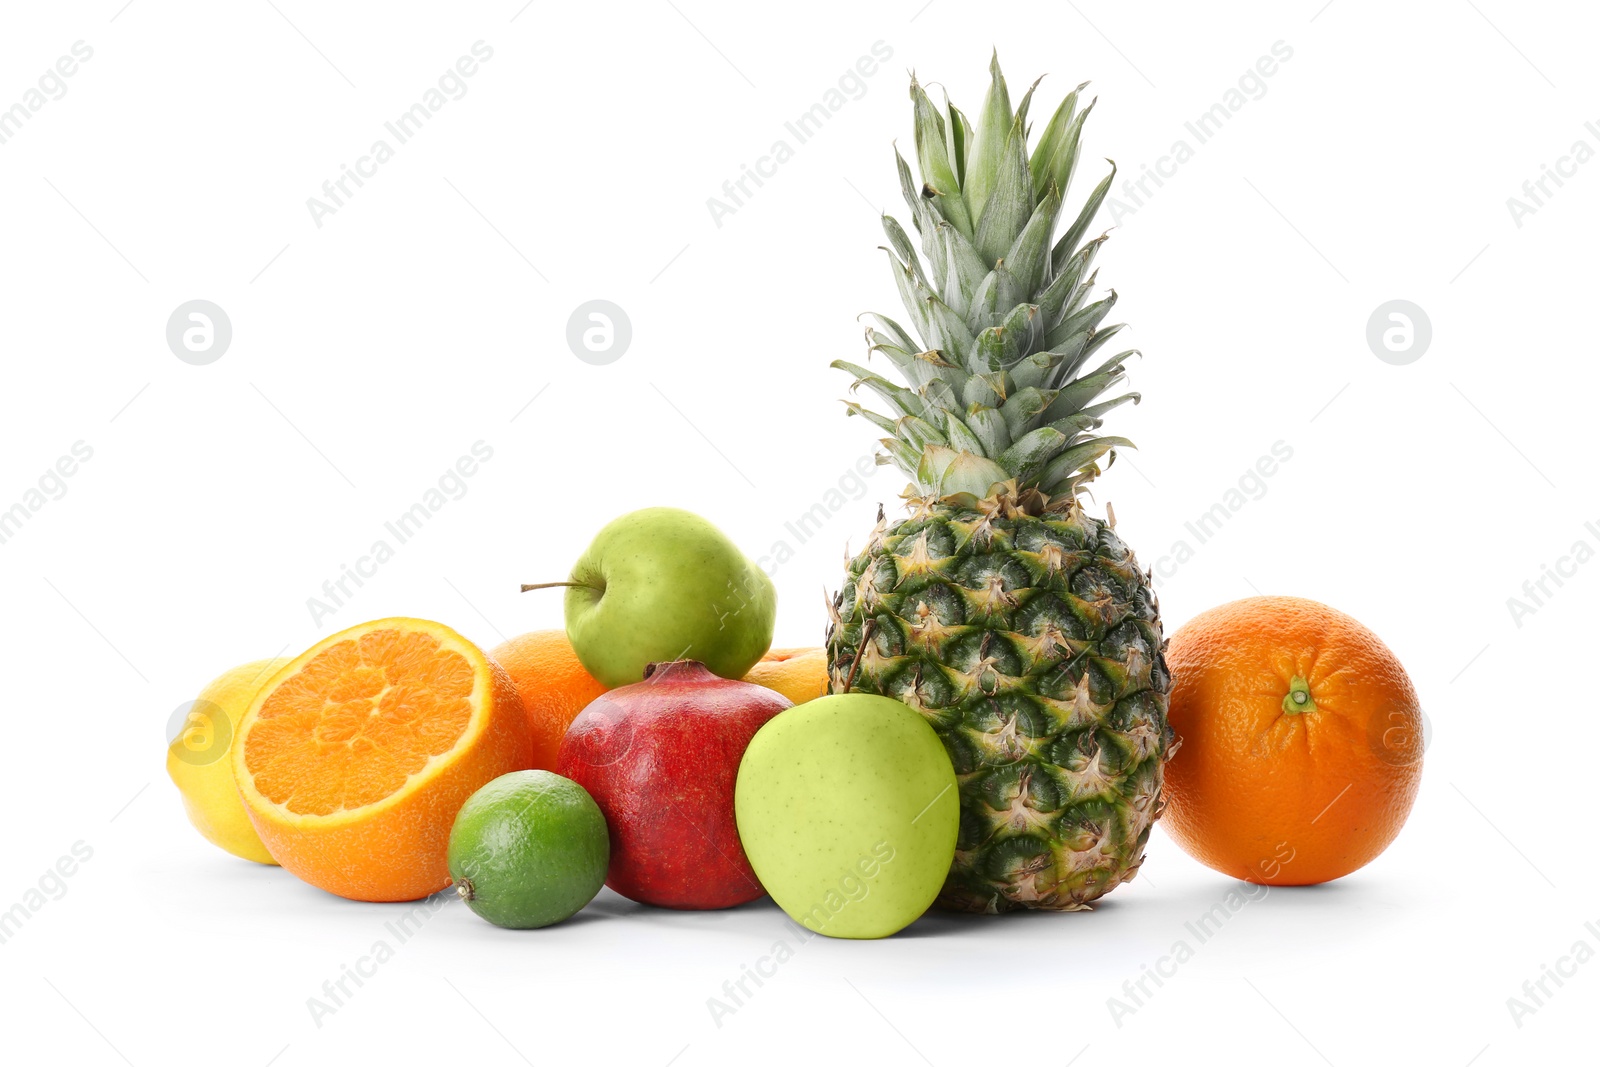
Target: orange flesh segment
{"points": [[360, 719]]}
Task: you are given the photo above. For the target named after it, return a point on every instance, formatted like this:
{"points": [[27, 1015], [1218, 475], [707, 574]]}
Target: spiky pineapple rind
{"points": [[1030, 640]]}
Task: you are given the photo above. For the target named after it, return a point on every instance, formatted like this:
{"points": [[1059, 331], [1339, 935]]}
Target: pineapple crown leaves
{"points": [[1002, 386]]}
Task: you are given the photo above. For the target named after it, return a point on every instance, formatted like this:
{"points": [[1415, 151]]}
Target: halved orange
{"points": [[352, 766]]}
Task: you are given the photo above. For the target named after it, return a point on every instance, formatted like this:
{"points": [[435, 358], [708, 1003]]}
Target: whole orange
{"points": [[1301, 741], [801, 674], [553, 685]]}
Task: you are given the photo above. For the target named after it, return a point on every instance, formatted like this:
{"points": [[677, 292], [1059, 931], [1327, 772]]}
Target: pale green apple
{"points": [[663, 584], [848, 808]]}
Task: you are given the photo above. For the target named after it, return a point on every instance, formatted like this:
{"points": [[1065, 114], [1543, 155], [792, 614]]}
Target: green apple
{"points": [[664, 584], [847, 808]]}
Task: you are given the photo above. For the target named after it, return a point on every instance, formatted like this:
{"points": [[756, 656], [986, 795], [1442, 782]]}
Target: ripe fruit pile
{"points": [[994, 723]]}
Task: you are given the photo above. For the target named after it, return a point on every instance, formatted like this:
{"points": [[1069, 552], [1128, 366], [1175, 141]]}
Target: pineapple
{"points": [[1017, 623]]}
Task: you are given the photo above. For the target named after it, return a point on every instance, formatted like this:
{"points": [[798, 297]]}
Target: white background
{"points": [[426, 314]]}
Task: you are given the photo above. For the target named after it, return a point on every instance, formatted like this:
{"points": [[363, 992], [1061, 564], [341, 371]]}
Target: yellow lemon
{"points": [[199, 764]]}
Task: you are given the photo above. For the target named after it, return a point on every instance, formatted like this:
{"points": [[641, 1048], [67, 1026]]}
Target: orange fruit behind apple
{"points": [[801, 674], [553, 685]]}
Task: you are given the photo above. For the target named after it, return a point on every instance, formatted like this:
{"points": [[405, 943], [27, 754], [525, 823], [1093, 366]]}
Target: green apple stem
{"points": [[557, 585]]}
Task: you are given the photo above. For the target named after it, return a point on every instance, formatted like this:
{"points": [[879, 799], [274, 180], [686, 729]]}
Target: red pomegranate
{"points": [[660, 758]]}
